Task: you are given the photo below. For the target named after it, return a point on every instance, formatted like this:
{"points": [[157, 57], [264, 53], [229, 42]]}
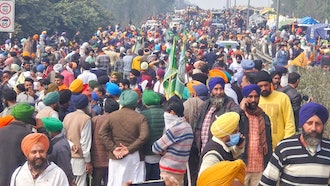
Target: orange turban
{"points": [[222, 174], [35, 37], [32, 139], [6, 120], [218, 73]]}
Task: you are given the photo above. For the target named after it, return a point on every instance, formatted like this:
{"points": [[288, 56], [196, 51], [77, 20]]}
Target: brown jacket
{"points": [[100, 155], [124, 126]]}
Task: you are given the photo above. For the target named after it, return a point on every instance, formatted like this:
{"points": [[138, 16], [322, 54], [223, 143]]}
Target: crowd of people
{"points": [[98, 112]]}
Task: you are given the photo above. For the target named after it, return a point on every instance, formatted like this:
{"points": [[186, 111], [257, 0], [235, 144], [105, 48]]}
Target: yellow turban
{"points": [[223, 174], [32, 139], [225, 124], [76, 86]]}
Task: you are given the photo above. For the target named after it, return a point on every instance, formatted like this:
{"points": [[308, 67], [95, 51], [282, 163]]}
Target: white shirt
{"points": [[87, 76], [51, 176], [158, 87]]}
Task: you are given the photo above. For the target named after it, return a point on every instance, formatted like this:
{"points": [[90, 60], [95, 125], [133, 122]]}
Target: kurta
{"points": [[51, 176]]}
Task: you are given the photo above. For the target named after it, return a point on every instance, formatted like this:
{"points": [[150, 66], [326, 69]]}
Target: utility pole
{"points": [[248, 14], [277, 13]]}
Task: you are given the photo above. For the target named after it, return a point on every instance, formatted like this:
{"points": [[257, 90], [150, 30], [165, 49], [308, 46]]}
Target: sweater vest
{"points": [[45, 113], [73, 124]]}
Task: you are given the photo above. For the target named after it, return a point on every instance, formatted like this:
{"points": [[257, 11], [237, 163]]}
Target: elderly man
{"points": [[11, 136], [302, 159], [218, 104], [37, 170], [79, 133], [123, 133], [278, 107], [255, 126]]}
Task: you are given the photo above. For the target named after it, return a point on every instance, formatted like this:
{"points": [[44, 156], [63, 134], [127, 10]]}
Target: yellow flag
{"points": [[300, 60]]}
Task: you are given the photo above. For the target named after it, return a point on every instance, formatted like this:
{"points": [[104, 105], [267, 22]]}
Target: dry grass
{"points": [[315, 83]]}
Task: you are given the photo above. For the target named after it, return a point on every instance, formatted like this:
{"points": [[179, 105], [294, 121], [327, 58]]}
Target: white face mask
{"points": [[169, 119]]}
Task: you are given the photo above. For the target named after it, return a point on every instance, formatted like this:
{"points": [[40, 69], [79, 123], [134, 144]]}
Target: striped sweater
{"points": [[291, 164], [176, 143]]}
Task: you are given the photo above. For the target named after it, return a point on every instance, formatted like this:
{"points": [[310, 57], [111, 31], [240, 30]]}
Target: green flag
{"points": [[180, 78], [170, 74]]}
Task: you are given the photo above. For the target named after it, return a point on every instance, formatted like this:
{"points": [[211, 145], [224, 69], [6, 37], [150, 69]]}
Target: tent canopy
{"points": [[308, 21], [317, 31]]}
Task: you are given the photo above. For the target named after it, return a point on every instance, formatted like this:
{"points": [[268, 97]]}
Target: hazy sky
{"points": [[219, 4]]}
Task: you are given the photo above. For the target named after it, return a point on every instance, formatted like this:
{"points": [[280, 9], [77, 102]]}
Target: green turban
{"points": [[51, 98], [128, 98], [150, 97], [52, 124], [22, 112]]}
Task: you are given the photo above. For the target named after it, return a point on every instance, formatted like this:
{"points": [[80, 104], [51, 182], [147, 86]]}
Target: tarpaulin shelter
{"points": [[307, 21], [316, 32]]}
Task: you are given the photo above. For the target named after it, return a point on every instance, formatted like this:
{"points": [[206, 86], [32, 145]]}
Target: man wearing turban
{"points": [[78, 129], [255, 126], [224, 173], [51, 105], [11, 136], [61, 152], [123, 134], [37, 170], [154, 114], [227, 142], [302, 159], [218, 104]]}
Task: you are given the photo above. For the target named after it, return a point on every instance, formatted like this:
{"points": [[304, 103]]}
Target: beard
{"points": [[312, 138], [252, 106], [38, 164], [133, 81], [265, 93], [217, 101]]}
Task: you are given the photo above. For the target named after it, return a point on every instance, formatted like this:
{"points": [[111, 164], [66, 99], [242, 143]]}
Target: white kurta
{"points": [[128, 168], [51, 176]]}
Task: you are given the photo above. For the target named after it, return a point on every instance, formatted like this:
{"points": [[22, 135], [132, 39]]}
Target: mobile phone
{"points": [[240, 141], [150, 183]]}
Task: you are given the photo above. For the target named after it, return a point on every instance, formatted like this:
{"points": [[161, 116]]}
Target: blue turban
{"points": [[214, 81], [309, 110], [247, 64], [113, 89], [246, 91], [201, 91], [79, 101]]}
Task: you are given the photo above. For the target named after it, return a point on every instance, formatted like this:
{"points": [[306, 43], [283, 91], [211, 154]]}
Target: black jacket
{"points": [[244, 129]]}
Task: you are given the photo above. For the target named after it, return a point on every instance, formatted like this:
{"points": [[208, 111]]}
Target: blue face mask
{"points": [[234, 139]]}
